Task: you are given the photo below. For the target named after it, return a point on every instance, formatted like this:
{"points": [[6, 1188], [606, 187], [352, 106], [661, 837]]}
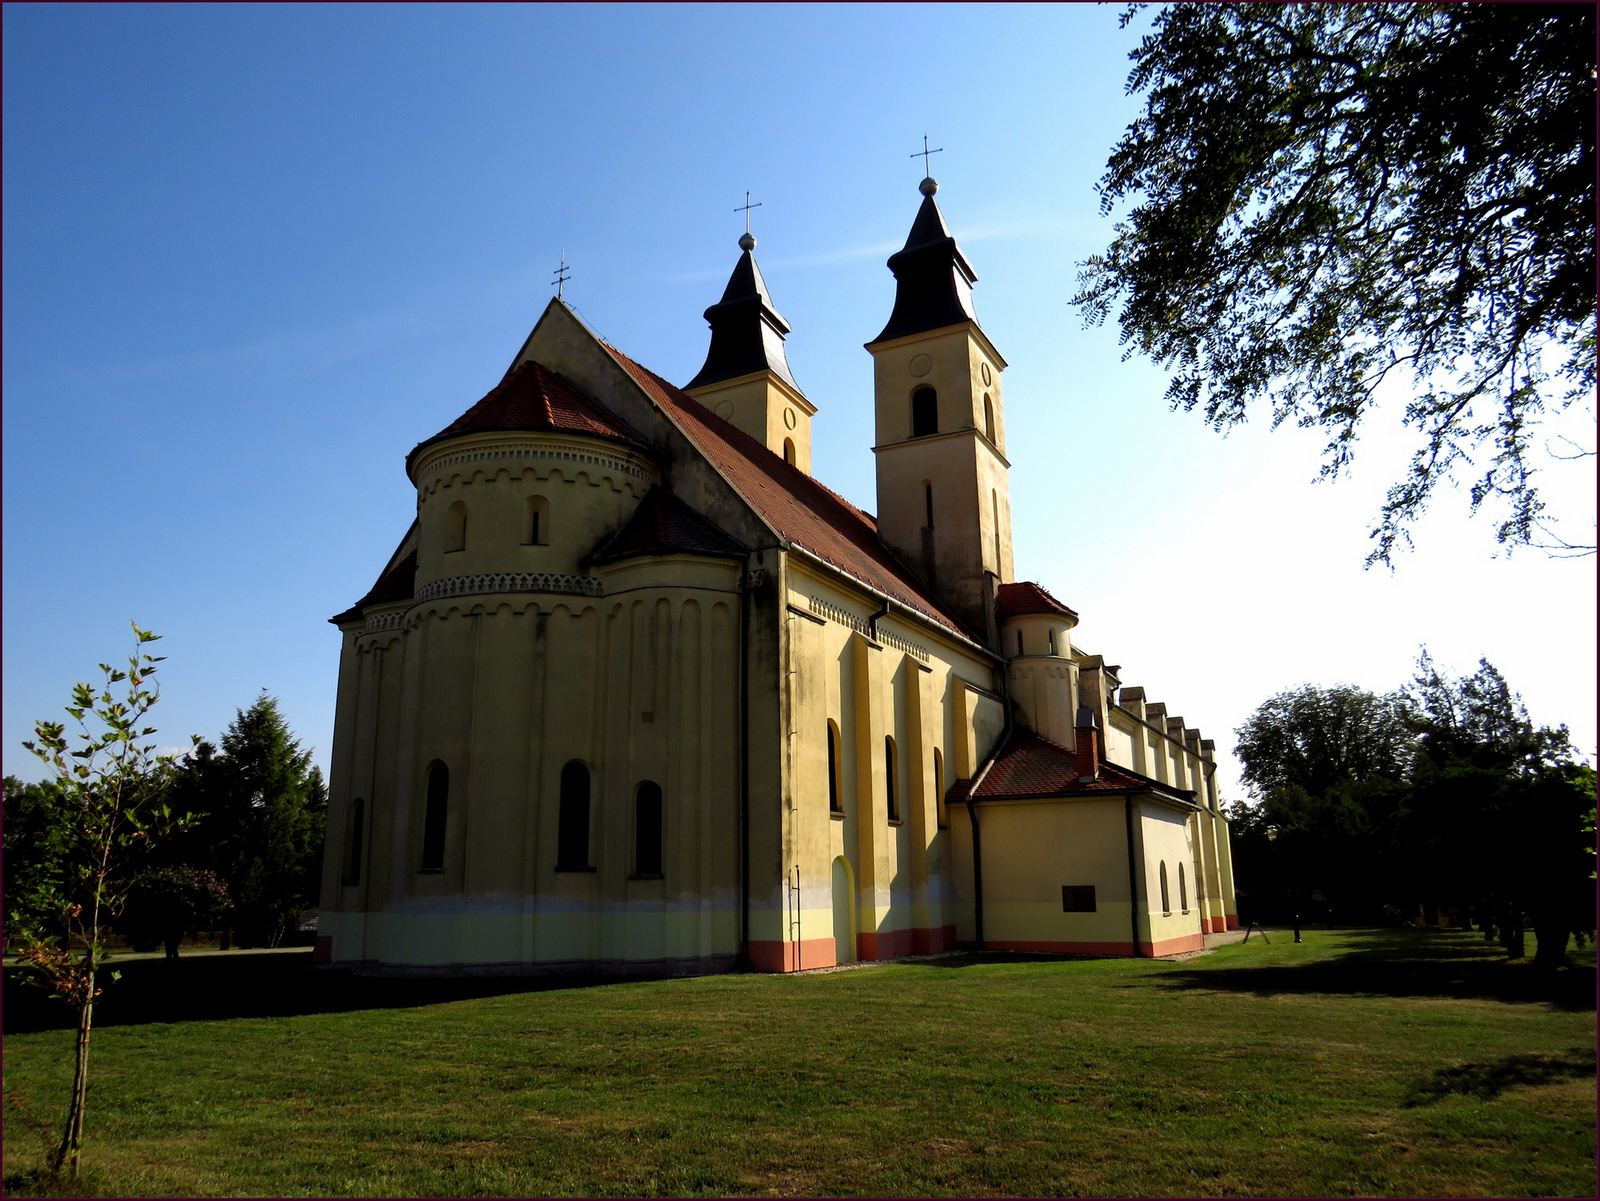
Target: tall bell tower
{"points": [[944, 502]]}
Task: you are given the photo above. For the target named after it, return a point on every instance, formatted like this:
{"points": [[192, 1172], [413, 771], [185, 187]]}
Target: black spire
{"points": [[933, 278], [746, 331]]}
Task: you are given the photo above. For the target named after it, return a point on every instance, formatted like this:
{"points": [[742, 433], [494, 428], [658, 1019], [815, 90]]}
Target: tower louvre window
{"points": [[924, 412], [988, 417]]}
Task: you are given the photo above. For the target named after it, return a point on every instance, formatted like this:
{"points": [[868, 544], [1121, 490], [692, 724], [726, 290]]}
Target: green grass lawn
{"points": [[1360, 1062]]}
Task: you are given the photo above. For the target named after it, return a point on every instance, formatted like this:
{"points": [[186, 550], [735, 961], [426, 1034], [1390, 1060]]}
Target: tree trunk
{"points": [[1516, 948], [72, 1137]]}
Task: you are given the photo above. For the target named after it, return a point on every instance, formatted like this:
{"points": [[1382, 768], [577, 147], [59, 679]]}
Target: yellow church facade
{"points": [[637, 693]]}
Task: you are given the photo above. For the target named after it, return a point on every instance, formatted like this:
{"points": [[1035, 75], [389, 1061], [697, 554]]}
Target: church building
{"points": [[637, 693]]}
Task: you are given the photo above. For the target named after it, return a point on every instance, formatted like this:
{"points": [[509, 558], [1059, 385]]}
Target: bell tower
{"points": [[944, 502], [746, 379]]}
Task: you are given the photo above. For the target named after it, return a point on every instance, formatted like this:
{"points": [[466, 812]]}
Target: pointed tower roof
{"points": [[746, 330], [934, 279]]}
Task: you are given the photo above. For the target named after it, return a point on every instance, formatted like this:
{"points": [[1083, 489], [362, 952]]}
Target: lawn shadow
{"points": [[1403, 963], [219, 987], [1486, 1081]]}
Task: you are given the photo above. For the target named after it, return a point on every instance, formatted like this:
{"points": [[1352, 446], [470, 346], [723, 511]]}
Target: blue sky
{"points": [[253, 254]]}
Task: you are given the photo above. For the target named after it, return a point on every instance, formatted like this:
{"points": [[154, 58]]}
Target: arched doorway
{"points": [[844, 911]]}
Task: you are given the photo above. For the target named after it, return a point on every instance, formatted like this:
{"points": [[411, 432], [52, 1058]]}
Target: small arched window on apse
{"points": [[537, 523], [433, 818], [835, 793], [647, 830], [352, 862], [572, 835], [893, 791], [938, 788], [924, 412], [1166, 899], [988, 418], [788, 451], [455, 527], [1183, 890]]}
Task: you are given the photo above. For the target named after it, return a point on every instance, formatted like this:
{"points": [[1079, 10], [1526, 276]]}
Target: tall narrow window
{"points": [[1019, 642], [788, 451], [1166, 901], [538, 523], [924, 412], [835, 801], [927, 496], [988, 417], [994, 502], [938, 788], [572, 839], [352, 868], [433, 818], [455, 527], [647, 830], [1052, 634], [1183, 890], [888, 775]]}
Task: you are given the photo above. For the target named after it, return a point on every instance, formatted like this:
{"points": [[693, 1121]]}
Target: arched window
{"points": [[352, 868], [924, 412], [888, 775], [1019, 642], [927, 495], [988, 417], [788, 451], [455, 527], [1052, 634], [433, 818], [1183, 890], [572, 839], [1166, 902], [647, 829], [538, 522], [835, 797], [938, 787]]}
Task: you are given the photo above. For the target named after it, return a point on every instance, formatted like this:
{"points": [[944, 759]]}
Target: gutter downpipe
{"points": [[1133, 878], [744, 768], [972, 811]]}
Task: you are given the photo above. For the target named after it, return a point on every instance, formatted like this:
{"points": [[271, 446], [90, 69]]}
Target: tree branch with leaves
{"points": [[111, 783], [1324, 194]]}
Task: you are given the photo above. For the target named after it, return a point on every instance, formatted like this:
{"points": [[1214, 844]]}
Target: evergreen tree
{"points": [[266, 809]]}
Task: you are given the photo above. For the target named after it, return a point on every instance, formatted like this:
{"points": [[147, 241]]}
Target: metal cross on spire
{"points": [[745, 209], [925, 153], [561, 274]]}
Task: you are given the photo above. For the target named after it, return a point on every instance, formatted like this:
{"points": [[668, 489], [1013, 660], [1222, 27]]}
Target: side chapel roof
{"points": [[1031, 766], [664, 525], [1024, 596]]}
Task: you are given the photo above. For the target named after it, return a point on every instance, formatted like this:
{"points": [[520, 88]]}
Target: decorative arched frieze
{"points": [[509, 581]]}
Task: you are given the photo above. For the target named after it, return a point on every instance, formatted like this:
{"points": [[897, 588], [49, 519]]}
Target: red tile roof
{"points": [[1031, 766], [663, 525], [1025, 596], [795, 506], [532, 397]]}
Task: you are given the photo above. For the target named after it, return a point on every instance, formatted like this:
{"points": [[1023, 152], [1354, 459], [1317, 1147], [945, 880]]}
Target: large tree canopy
{"points": [[1326, 195]]}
